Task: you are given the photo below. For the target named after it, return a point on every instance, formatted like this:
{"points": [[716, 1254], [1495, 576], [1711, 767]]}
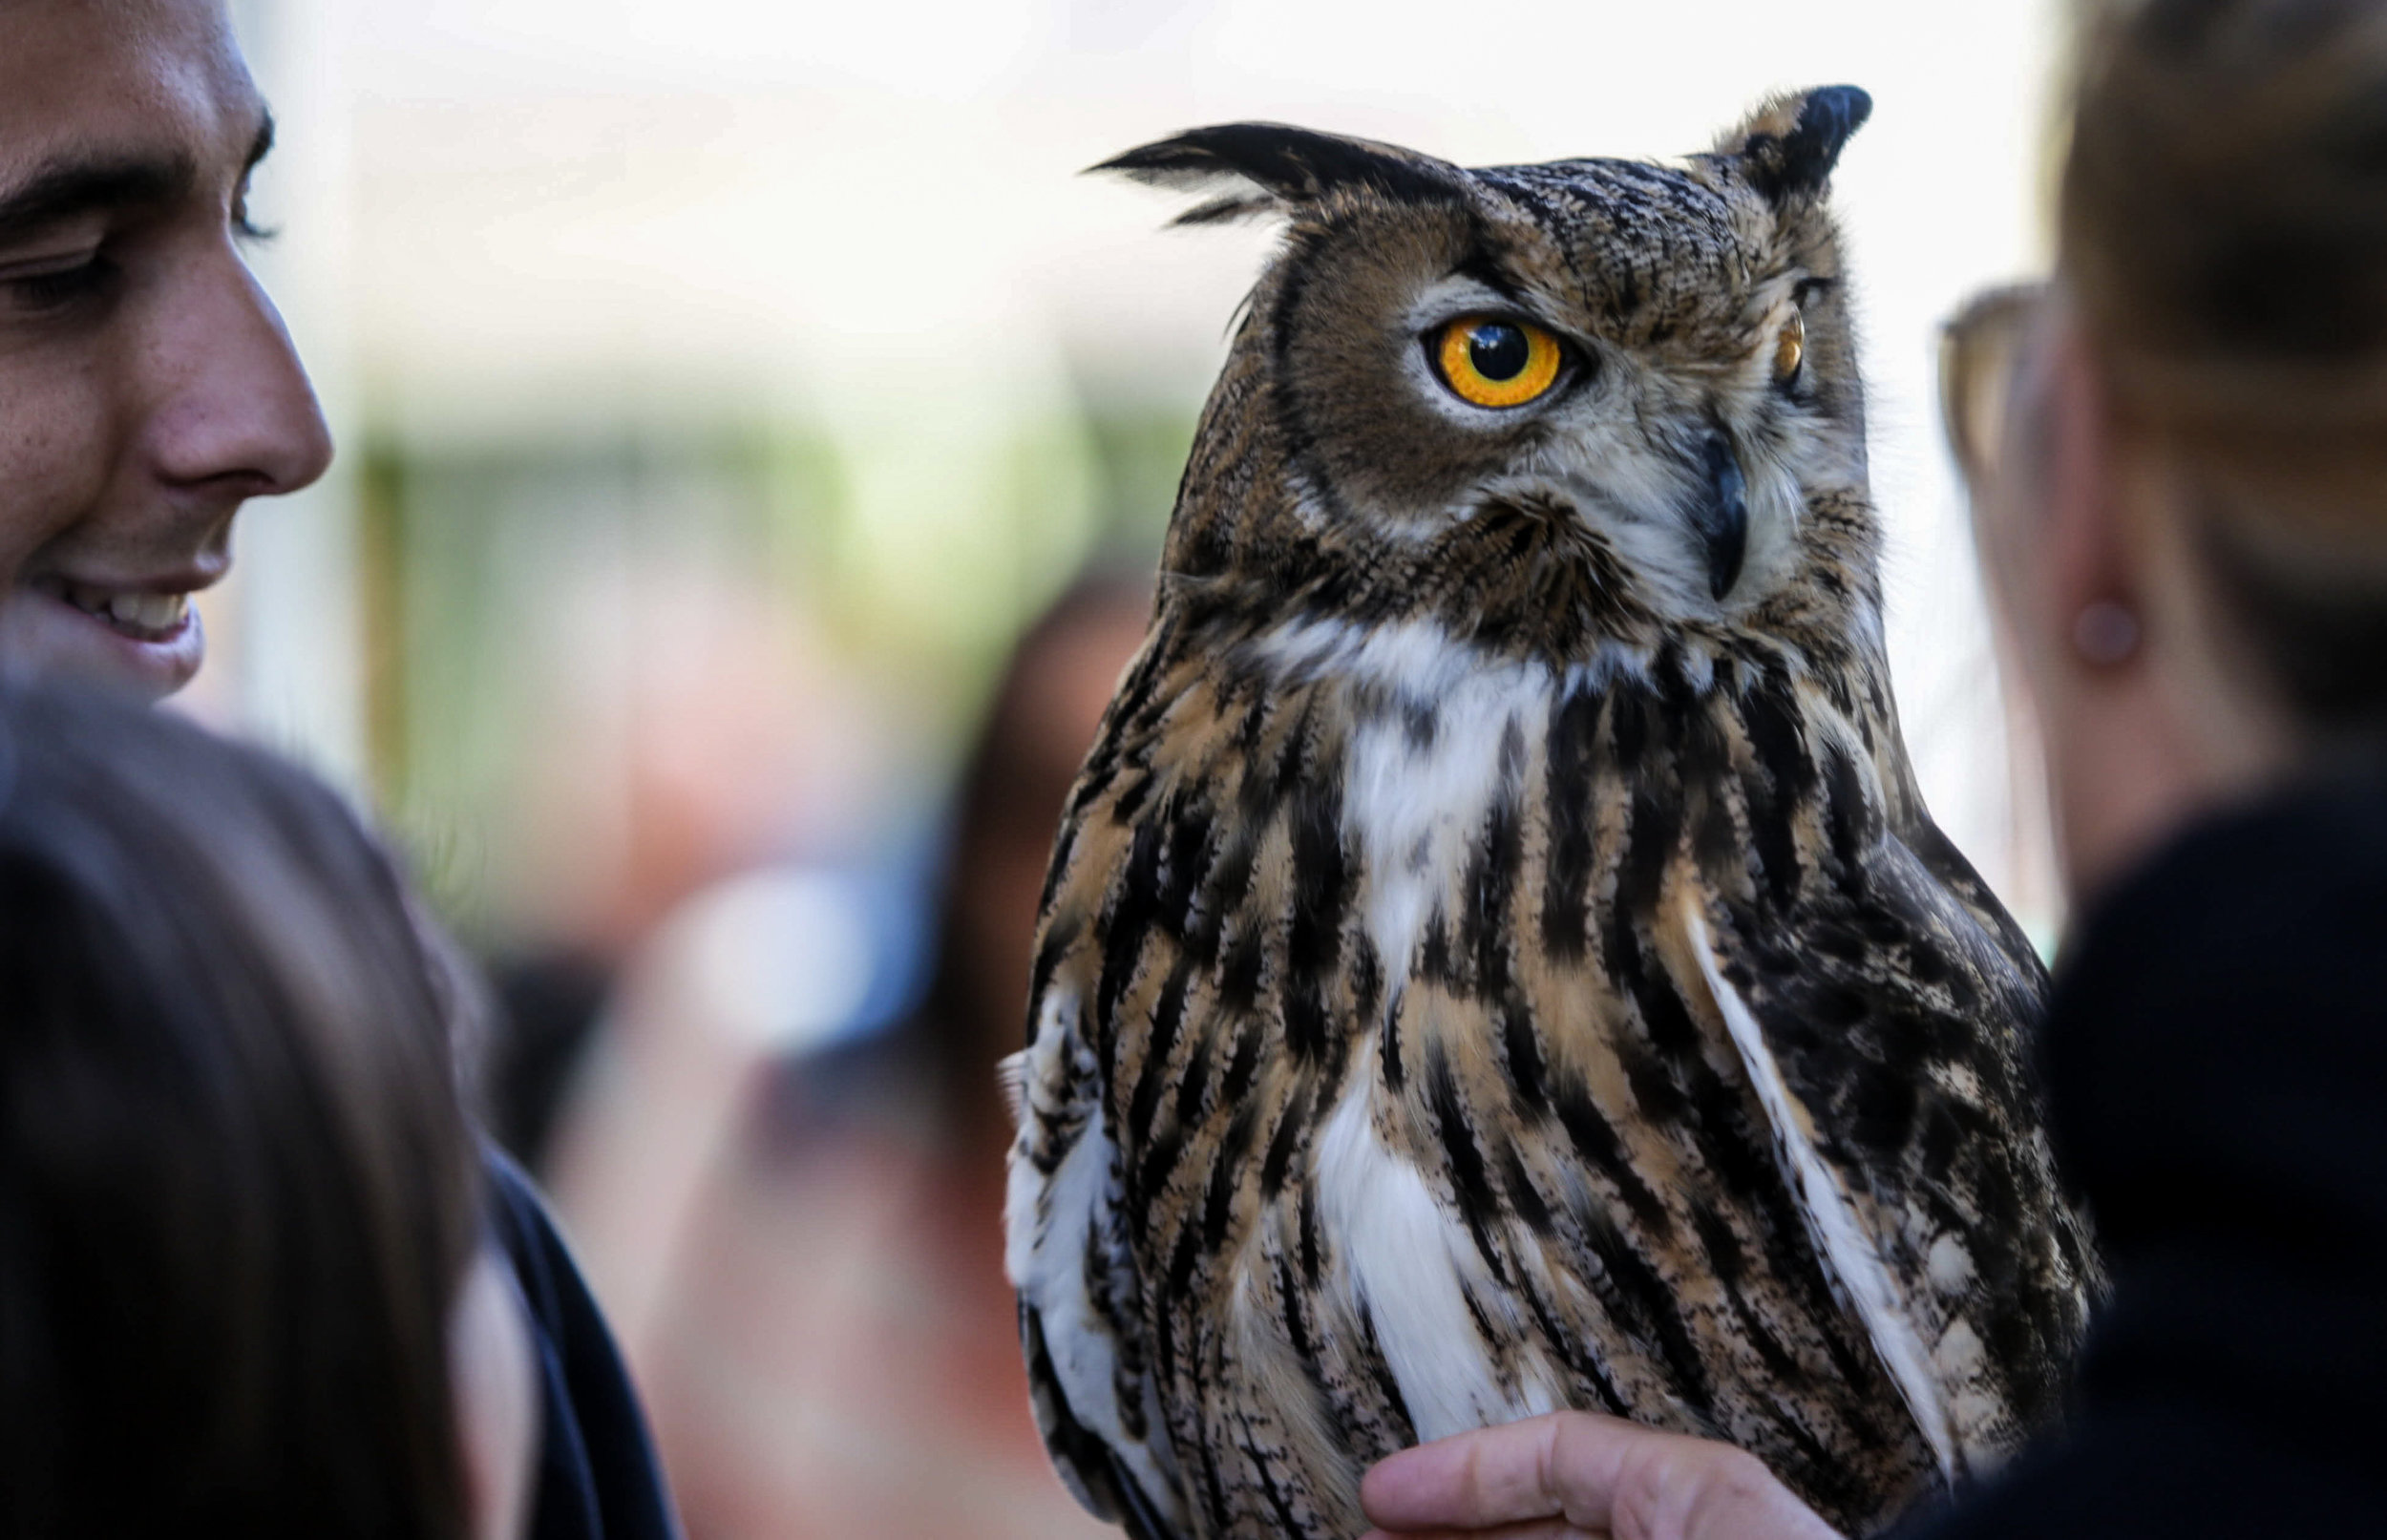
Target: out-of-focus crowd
{"points": [[788, 1197]]}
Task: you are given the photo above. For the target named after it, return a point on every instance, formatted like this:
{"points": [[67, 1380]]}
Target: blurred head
{"points": [[2179, 450], [238, 1195], [1047, 707], [147, 389]]}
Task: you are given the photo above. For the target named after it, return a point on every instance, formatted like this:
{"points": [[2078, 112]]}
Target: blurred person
{"points": [[242, 1284], [833, 1349], [147, 391], [727, 736], [2177, 455]]}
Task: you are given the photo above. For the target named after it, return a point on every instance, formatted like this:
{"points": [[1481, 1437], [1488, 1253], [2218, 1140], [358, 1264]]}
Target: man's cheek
{"points": [[54, 459]]}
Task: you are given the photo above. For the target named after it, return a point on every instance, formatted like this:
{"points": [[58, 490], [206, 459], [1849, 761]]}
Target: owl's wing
{"points": [[1882, 1011], [1065, 1247]]}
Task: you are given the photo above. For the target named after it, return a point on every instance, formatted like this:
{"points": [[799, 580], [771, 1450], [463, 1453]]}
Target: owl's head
{"points": [[1641, 374]]}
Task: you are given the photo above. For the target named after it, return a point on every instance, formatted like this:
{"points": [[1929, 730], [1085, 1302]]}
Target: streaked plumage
{"points": [[1495, 957]]}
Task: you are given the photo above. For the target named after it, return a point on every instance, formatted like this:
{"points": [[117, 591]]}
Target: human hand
{"points": [[1575, 1476]]}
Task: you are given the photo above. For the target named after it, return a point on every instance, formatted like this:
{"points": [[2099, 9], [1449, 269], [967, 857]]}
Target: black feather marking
{"points": [[1247, 961], [1366, 975], [1135, 901], [1183, 1261], [1060, 936], [1435, 959], [1523, 1195], [1117, 1494], [1064, 845], [1629, 713], [1652, 1310], [1297, 1328], [1381, 1371], [1130, 800], [1295, 164], [1566, 893], [1323, 880], [1229, 880], [1184, 863], [1283, 1143], [1522, 1052], [1570, 1351], [1152, 1076], [1195, 1083], [1773, 732], [1288, 1521], [1243, 1064], [1311, 1258], [1885, 1103], [1650, 841], [1151, 1175], [1605, 1153], [1491, 878], [1484, 1330], [1801, 161], [1846, 817], [1218, 1203], [1478, 1205]]}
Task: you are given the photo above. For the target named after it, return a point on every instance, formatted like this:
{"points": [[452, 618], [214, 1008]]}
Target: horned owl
{"points": [[1496, 957]]}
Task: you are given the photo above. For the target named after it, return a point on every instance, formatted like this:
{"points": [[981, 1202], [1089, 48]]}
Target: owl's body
{"points": [[1495, 958]]}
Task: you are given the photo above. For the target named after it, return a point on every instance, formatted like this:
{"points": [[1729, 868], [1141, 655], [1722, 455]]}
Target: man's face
{"points": [[147, 388]]}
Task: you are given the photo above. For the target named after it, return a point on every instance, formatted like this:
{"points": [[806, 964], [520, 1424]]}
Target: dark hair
{"points": [[1011, 791], [2224, 229], [236, 1189]]}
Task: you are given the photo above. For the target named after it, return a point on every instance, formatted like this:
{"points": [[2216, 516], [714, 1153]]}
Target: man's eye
{"points": [[42, 293]]}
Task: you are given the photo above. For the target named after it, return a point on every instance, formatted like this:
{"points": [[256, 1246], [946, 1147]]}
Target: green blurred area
{"points": [[472, 554]]}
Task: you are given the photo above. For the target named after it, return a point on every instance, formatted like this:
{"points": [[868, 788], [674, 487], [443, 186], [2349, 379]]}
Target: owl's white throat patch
{"points": [[1440, 725], [1425, 756]]}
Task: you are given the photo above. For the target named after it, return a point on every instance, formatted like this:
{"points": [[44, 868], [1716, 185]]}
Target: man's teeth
{"points": [[144, 612]]}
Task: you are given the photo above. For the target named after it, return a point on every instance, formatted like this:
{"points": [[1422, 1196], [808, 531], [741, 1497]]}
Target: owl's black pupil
{"points": [[1498, 352]]}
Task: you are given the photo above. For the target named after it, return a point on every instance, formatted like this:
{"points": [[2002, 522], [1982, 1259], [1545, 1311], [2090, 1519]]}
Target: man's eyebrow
{"points": [[70, 188]]}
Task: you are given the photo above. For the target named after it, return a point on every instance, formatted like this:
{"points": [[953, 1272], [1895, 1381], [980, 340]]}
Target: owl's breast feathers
{"points": [[1426, 1036]]}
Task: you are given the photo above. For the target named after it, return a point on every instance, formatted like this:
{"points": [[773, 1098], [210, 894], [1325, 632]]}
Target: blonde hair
{"points": [[2224, 228]]}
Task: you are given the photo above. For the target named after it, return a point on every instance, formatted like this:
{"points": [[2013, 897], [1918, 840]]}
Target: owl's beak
{"points": [[1721, 515]]}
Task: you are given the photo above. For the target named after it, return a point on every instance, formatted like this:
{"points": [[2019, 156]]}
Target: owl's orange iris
{"points": [[1497, 364], [1790, 351]]}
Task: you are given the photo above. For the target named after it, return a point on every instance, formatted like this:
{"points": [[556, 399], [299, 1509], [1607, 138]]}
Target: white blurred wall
{"points": [[599, 217]]}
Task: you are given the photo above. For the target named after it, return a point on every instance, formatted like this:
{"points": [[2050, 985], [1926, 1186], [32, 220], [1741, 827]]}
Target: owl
{"points": [[1495, 957]]}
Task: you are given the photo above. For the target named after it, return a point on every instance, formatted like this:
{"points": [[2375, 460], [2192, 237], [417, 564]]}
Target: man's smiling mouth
{"points": [[145, 617]]}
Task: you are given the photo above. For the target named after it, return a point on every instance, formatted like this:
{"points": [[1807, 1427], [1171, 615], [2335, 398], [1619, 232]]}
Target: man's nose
{"points": [[233, 407]]}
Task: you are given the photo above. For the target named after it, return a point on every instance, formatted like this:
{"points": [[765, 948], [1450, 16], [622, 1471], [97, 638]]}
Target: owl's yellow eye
{"points": [[1791, 350], [1497, 364]]}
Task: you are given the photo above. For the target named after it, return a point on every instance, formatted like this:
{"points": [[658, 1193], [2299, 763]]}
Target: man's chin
{"points": [[43, 636]]}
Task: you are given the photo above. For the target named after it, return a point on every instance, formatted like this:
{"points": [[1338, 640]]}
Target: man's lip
{"points": [[150, 610], [48, 633]]}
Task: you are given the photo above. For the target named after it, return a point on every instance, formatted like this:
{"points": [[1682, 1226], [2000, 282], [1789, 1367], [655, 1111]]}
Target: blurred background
{"points": [[724, 388]]}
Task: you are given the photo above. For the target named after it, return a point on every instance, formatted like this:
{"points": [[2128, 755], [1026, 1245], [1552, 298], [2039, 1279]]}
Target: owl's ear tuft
{"points": [[1789, 147], [1259, 169]]}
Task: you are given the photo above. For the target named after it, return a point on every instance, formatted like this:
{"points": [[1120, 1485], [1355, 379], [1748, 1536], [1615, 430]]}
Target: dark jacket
{"points": [[2217, 1062], [598, 1476]]}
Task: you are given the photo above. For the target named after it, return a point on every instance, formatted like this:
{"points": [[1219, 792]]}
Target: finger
{"points": [[1536, 1530], [1564, 1466]]}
